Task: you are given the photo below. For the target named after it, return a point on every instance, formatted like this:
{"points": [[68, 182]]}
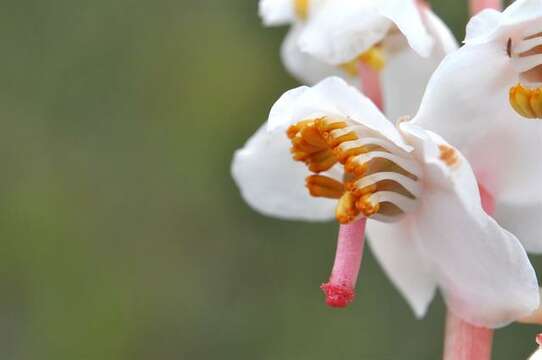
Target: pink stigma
{"points": [[338, 296], [339, 290]]}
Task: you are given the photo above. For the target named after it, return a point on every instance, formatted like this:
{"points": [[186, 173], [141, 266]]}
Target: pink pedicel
{"points": [[478, 5], [539, 339], [370, 83], [464, 341], [340, 290]]}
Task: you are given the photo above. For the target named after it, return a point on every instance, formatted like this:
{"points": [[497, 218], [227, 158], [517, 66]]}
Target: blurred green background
{"points": [[123, 235]]}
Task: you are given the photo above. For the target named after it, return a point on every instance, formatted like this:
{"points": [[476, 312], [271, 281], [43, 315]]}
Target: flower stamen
{"points": [[526, 102], [380, 180], [525, 98], [324, 186]]}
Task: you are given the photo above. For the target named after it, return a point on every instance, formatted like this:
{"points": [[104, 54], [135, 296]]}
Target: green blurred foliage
{"points": [[124, 236]]}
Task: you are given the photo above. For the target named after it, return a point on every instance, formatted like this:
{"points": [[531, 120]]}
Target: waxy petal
{"points": [[273, 184], [482, 269], [304, 67], [466, 102], [332, 98], [403, 90], [395, 246], [406, 16], [344, 29]]}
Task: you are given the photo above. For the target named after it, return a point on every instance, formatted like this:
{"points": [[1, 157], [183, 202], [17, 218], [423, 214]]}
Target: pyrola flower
{"points": [[298, 13], [486, 100], [426, 222], [403, 38]]}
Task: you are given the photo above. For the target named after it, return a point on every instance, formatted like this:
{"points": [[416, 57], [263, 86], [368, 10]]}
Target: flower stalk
{"points": [[476, 6], [464, 341]]}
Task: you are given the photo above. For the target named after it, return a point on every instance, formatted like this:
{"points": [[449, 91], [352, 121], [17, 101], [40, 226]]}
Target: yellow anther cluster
{"points": [[301, 8], [317, 143], [374, 58], [527, 102]]}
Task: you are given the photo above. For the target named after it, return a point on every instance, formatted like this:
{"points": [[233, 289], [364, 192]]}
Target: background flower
{"points": [[468, 102]]}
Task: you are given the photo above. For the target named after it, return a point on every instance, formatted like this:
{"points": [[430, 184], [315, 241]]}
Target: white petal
{"points": [[276, 12], [405, 15], [466, 102], [522, 11], [332, 98], [482, 26], [524, 221], [537, 355], [304, 67], [343, 29], [482, 269], [272, 183], [403, 90], [396, 249]]}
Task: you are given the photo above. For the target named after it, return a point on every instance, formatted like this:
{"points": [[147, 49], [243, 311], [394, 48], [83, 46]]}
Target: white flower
{"points": [[298, 13], [486, 100], [427, 226], [410, 37]]}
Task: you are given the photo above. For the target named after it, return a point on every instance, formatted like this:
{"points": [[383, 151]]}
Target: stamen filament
{"points": [[526, 63], [340, 290], [528, 44]]}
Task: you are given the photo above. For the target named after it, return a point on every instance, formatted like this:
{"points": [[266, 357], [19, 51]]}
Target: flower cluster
{"points": [[449, 178]]}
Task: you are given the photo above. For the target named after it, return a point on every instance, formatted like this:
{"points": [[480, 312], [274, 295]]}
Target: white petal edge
{"points": [[405, 15], [304, 67], [342, 30], [403, 90], [272, 183], [395, 248], [482, 269], [332, 98]]}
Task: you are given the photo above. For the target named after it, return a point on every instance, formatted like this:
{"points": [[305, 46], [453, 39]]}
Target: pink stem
{"points": [[478, 5], [370, 84], [340, 290], [463, 341]]}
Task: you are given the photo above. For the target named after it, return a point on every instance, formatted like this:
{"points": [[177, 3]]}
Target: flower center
{"points": [[379, 180], [374, 58], [301, 8], [526, 96]]}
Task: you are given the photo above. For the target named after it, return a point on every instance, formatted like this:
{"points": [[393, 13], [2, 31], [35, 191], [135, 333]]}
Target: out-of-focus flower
{"points": [[426, 225], [486, 100], [298, 13], [403, 38]]}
